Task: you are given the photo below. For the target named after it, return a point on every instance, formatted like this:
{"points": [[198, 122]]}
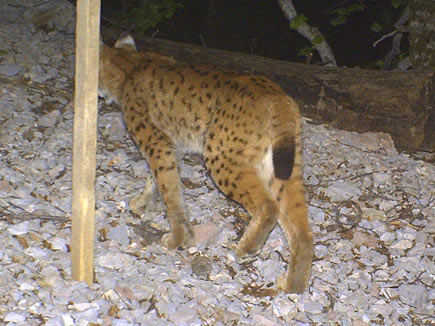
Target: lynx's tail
{"points": [[288, 189]]}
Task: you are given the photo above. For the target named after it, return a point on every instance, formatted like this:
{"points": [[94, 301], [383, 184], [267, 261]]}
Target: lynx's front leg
{"points": [[162, 160], [146, 200]]}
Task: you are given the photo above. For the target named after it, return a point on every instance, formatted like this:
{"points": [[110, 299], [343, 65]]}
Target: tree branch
{"points": [[400, 28], [310, 33]]}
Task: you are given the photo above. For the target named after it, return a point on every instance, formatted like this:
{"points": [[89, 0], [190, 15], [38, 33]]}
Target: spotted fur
{"points": [[245, 126]]}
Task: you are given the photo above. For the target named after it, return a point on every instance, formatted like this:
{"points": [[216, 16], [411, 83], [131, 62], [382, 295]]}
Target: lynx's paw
{"points": [[297, 276], [146, 201], [180, 236], [292, 283], [246, 252]]}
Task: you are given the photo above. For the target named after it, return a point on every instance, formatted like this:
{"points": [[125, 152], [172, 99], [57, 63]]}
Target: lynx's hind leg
{"points": [[245, 185], [293, 219], [289, 190], [264, 211]]}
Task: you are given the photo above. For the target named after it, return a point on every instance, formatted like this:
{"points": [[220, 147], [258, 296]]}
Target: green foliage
{"points": [[341, 13], [305, 51], [380, 15], [298, 21], [376, 27], [147, 14], [379, 64], [346, 11], [317, 40], [398, 3], [338, 20]]}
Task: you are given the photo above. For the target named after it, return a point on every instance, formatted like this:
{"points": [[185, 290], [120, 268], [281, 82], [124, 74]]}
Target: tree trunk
{"points": [[398, 103], [422, 33]]}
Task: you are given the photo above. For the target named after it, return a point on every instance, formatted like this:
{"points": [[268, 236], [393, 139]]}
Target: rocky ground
{"points": [[372, 211]]}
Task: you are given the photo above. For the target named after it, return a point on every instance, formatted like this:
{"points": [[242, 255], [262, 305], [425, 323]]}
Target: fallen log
{"points": [[399, 103]]}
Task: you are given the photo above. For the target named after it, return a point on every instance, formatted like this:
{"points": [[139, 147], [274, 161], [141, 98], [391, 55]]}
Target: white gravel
{"points": [[372, 212]]}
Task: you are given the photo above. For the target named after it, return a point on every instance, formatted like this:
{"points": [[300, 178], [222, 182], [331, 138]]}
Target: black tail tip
{"points": [[283, 161]]}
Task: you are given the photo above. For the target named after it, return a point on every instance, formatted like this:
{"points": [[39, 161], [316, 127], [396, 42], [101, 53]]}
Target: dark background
{"points": [[259, 27]]}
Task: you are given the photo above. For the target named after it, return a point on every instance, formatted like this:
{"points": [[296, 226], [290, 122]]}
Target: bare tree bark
{"points": [[400, 29], [310, 33], [422, 33]]}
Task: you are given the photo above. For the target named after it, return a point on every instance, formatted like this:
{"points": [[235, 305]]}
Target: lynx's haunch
{"points": [[245, 126]]}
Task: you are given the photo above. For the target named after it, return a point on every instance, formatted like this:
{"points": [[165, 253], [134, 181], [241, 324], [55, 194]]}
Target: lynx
{"points": [[246, 128]]}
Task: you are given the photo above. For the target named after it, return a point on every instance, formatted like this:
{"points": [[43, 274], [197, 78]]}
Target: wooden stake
{"points": [[85, 139]]}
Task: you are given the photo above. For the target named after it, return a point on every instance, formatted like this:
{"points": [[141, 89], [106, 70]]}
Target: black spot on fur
{"points": [[181, 76], [283, 160]]}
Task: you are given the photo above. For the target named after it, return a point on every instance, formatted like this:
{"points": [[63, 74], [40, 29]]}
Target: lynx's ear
{"points": [[126, 42]]}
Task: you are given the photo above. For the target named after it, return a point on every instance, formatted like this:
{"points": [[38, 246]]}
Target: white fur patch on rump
{"points": [[265, 168]]}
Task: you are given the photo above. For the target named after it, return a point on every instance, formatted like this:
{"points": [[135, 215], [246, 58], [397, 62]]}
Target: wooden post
{"points": [[85, 139]]}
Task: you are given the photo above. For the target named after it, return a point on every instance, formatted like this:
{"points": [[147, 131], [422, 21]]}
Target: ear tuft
{"points": [[126, 42]]}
